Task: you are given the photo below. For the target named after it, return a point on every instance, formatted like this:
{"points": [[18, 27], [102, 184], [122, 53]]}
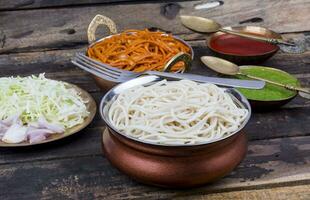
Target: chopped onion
{"points": [[15, 134]]}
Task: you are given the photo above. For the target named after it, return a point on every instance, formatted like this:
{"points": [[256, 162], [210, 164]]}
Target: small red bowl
{"points": [[242, 50]]}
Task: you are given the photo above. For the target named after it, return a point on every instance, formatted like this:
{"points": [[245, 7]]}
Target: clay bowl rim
{"points": [[274, 69], [273, 33], [148, 80]]}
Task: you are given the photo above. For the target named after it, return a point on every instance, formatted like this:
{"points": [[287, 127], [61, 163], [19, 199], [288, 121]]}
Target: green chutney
{"points": [[270, 92]]}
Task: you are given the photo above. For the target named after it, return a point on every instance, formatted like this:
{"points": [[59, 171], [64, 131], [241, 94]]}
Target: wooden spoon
{"points": [[225, 67], [205, 25]]}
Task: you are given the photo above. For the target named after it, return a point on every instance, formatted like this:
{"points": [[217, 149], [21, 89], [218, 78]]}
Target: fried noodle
{"points": [[139, 51]]}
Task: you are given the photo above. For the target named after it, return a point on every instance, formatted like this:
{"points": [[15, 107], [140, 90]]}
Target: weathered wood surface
{"points": [[57, 65], [56, 60], [66, 27], [83, 150], [40, 40], [280, 193], [30, 4], [269, 163]]}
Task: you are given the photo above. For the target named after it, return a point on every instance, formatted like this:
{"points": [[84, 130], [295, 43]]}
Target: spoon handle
{"points": [[289, 87], [256, 37], [229, 82]]}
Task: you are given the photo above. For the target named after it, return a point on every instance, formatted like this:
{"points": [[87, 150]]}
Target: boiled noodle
{"points": [[176, 112]]}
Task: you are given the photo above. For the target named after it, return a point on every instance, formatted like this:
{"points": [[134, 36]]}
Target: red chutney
{"points": [[236, 45]]}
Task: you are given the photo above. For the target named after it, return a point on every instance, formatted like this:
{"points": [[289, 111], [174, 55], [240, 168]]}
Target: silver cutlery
{"points": [[117, 75]]}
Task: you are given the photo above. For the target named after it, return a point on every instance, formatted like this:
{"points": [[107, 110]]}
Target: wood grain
{"points": [[301, 192], [59, 60], [31, 4], [66, 27], [269, 163]]}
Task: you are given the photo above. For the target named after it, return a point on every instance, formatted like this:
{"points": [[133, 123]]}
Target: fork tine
{"points": [[102, 70], [94, 70], [99, 64], [96, 65]]}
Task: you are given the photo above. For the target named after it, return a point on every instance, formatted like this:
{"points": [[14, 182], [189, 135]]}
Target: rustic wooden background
{"points": [[41, 36]]}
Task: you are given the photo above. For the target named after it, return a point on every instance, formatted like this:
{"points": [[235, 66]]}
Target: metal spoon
{"points": [[225, 67], [205, 25]]}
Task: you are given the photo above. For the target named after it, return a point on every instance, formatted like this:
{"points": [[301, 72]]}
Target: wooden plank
{"points": [[84, 143], [269, 163], [66, 27], [56, 64], [31, 4], [283, 122], [59, 60], [301, 192]]}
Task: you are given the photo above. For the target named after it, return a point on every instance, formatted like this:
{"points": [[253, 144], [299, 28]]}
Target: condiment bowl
{"points": [[245, 59], [176, 166], [267, 105]]}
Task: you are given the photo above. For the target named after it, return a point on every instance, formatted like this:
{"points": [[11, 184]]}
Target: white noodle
{"points": [[176, 112]]}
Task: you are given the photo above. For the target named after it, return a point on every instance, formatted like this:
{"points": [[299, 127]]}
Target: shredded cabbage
{"points": [[34, 96]]}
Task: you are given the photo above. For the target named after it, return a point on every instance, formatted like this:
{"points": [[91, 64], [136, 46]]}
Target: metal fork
{"points": [[117, 75]]}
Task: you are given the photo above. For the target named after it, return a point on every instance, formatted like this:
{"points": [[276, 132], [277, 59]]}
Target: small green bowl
{"points": [[271, 96]]}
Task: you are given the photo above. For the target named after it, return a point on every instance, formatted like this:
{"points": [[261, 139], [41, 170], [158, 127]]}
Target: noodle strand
{"points": [[176, 112]]}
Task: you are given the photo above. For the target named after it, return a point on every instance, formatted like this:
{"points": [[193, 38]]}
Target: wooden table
{"points": [[41, 36]]}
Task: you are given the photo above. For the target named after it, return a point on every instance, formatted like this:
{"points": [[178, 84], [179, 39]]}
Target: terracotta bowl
{"points": [[248, 59], [176, 166]]}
